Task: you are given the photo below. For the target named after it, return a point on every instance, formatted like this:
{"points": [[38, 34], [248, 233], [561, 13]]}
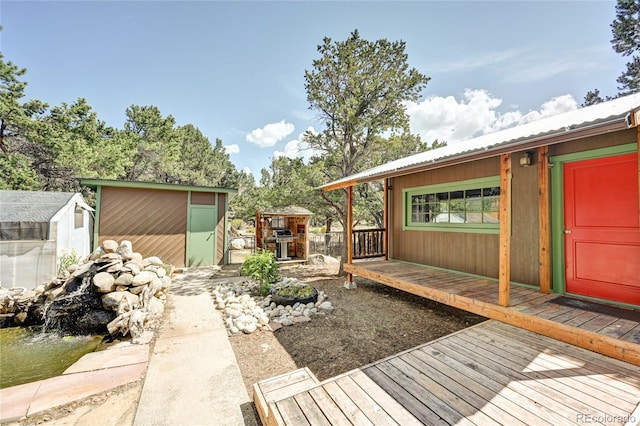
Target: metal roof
{"points": [[31, 206], [287, 211], [152, 185], [596, 119]]}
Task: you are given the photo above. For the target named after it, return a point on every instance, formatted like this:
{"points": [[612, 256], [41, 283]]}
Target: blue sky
{"points": [[236, 69]]}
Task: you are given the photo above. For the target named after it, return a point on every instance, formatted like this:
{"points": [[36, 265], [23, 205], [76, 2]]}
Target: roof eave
{"points": [[616, 124]]}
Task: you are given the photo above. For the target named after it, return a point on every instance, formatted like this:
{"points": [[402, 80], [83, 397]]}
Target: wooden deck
{"points": [[615, 333], [489, 374]]}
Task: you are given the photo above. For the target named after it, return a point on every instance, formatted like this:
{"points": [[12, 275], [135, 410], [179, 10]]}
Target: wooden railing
{"points": [[368, 243]]}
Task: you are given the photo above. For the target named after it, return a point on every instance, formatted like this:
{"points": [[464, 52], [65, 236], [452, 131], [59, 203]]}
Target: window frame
{"points": [[463, 185]]}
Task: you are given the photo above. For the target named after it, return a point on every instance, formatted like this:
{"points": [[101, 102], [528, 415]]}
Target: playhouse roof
{"points": [[287, 211], [614, 115], [26, 214]]}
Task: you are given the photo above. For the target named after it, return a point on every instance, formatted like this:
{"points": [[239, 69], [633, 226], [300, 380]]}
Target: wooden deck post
{"points": [[385, 218], [504, 278], [544, 238], [349, 226]]}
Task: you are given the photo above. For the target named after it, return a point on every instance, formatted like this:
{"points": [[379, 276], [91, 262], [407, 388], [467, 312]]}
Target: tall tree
{"points": [[358, 88], [16, 120], [151, 136], [626, 41]]}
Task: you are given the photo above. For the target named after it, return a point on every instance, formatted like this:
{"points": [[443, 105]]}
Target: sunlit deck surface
{"points": [[489, 374], [609, 330], [544, 360]]}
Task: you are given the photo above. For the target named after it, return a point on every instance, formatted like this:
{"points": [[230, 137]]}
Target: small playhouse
{"points": [[285, 232], [36, 230]]}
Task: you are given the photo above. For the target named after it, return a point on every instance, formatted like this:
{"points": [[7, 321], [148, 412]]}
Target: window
{"points": [[78, 217], [465, 206]]}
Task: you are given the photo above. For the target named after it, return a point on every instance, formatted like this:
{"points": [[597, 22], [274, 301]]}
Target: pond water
{"points": [[28, 354]]}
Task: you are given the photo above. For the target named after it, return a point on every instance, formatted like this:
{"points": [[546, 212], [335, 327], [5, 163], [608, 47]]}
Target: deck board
{"points": [[535, 362], [529, 308], [489, 374]]}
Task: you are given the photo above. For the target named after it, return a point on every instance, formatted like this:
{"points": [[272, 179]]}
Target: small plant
{"points": [[237, 223], [262, 267], [296, 291], [67, 259]]}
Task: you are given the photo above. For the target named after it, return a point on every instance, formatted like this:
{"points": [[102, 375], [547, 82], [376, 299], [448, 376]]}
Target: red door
{"points": [[602, 230]]}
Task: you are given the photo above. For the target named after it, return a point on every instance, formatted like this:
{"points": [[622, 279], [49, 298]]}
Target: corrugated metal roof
{"points": [[566, 123], [287, 211], [31, 206]]}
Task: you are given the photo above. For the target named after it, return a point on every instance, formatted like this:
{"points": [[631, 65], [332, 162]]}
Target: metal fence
{"points": [[329, 244]]}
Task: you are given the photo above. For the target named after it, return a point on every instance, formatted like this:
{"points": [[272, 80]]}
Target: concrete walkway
{"points": [[193, 377]]}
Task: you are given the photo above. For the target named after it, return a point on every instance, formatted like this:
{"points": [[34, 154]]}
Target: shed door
{"points": [[202, 235], [602, 231]]}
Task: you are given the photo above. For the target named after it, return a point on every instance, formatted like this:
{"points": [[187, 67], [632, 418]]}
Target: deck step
{"points": [[281, 387]]}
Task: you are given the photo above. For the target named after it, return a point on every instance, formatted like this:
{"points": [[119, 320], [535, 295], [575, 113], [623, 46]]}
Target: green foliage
{"points": [[67, 259], [296, 291], [626, 41], [262, 267], [237, 223]]}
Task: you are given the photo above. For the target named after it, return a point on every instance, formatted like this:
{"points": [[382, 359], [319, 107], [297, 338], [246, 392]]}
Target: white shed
{"points": [[36, 230]]}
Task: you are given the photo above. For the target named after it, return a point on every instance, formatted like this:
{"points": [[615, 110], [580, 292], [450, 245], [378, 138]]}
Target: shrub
{"points": [[237, 223], [67, 259], [262, 267]]}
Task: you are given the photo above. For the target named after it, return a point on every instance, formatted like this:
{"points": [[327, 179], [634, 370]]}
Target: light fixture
{"points": [[526, 159]]}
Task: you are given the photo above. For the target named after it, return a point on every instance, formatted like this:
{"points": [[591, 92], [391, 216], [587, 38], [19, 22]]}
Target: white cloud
{"points": [[232, 149], [297, 148], [451, 121], [246, 171], [270, 134], [555, 106]]}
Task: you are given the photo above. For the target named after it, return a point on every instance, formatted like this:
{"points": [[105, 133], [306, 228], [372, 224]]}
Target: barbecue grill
{"points": [[282, 237]]}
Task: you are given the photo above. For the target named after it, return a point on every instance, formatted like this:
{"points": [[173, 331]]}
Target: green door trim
{"points": [[557, 205], [189, 242]]}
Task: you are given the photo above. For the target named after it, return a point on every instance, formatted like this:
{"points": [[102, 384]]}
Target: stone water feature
{"points": [[116, 291]]}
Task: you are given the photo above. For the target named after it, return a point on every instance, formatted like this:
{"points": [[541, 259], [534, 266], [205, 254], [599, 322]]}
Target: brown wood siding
{"points": [[466, 252], [154, 221], [595, 142], [220, 229], [525, 253]]}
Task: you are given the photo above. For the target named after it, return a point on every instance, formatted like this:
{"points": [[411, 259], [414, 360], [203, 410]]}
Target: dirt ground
{"points": [[368, 323]]}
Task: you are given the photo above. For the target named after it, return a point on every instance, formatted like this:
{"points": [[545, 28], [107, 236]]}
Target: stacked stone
{"points": [[130, 291], [246, 311]]}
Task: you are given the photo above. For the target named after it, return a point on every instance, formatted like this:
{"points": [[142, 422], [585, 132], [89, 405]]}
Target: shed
{"points": [[183, 225], [36, 230], [551, 204], [284, 231]]}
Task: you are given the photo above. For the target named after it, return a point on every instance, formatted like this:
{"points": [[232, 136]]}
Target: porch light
{"points": [[526, 159]]}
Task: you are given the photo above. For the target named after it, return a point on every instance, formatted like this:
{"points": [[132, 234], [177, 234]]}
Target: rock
{"points": [[250, 328], [20, 317], [55, 293], [326, 306], [134, 267], [111, 301], [125, 250], [321, 259], [110, 246], [155, 307], [153, 260], [124, 279], [104, 282], [96, 253], [144, 278], [137, 257], [287, 322], [237, 244]]}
